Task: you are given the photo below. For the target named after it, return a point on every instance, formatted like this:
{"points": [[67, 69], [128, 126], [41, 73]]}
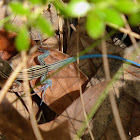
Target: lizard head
{"points": [[5, 68]]}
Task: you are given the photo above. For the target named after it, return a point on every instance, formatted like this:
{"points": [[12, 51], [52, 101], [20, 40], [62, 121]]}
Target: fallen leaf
{"points": [[65, 126], [135, 121], [74, 113], [7, 44], [65, 84], [14, 126], [89, 66], [132, 78]]}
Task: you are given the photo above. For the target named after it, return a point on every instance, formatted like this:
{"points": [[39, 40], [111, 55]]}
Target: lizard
{"points": [[42, 70]]}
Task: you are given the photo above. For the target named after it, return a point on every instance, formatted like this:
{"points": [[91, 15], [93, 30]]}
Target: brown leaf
{"points": [[89, 66], [132, 78], [7, 44], [65, 84], [12, 125], [15, 127], [74, 113], [50, 14], [135, 121]]}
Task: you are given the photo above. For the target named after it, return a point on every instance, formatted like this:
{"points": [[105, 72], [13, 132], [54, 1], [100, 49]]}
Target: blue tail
{"points": [[109, 56], [61, 63]]}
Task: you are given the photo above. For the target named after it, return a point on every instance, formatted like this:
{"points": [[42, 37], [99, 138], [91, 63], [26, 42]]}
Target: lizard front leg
{"points": [[47, 83], [42, 56]]}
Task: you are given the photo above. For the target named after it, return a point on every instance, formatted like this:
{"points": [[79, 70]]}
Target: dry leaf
{"points": [[74, 113], [135, 121], [15, 127], [89, 66], [65, 84], [132, 78], [12, 125], [7, 44]]}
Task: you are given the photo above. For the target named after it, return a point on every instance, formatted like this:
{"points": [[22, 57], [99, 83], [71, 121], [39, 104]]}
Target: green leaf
{"points": [[135, 19], [98, 1], [5, 20], [22, 40], [44, 26], [35, 1], [11, 27], [113, 16], [61, 6], [95, 25], [77, 8], [77, 0], [38, 1], [127, 6], [19, 9]]}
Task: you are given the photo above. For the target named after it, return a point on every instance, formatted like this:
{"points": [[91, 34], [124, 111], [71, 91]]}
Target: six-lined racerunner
{"points": [[42, 70]]}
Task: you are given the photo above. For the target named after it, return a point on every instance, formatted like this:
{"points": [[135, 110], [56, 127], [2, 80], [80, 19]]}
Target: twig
{"points": [[111, 95], [105, 60], [123, 30], [134, 74], [80, 89], [133, 40], [29, 100], [61, 33], [68, 31]]}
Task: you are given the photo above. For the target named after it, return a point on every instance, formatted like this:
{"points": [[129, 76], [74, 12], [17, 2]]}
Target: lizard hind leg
{"points": [[47, 83]]}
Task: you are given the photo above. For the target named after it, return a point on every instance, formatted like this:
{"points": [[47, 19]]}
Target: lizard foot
{"points": [[47, 83]]}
